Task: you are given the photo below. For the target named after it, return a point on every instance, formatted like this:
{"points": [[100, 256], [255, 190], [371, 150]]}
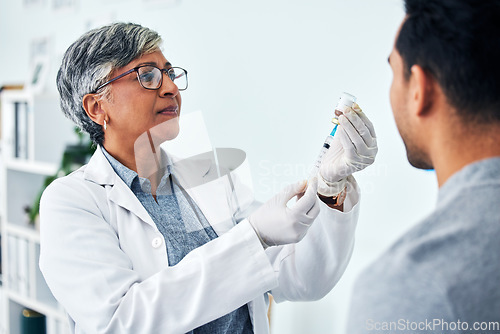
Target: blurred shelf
{"points": [[23, 231], [34, 136], [35, 305], [27, 166]]}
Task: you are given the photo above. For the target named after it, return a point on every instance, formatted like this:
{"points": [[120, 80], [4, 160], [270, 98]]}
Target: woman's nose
{"points": [[168, 88]]}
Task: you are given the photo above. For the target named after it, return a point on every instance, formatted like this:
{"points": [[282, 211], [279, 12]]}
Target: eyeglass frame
{"points": [[136, 70]]}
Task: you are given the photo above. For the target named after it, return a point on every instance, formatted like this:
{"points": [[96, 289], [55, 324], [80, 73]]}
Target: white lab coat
{"points": [[105, 260]]}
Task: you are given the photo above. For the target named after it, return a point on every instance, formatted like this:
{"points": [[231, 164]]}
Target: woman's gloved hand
{"points": [[277, 224], [353, 148]]}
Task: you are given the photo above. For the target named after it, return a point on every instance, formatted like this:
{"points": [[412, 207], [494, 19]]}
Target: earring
{"points": [[105, 125]]}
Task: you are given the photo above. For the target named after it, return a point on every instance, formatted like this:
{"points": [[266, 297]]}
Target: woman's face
{"points": [[132, 110]]}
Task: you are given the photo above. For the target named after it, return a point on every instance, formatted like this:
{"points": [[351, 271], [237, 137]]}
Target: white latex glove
{"points": [[277, 224], [353, 148]]}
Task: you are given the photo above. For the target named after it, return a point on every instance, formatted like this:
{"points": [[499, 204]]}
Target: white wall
{"points": [[266, 75]]}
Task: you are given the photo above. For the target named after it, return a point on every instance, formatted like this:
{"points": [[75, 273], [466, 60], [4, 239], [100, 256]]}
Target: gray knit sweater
{"points": [[443, 276]]}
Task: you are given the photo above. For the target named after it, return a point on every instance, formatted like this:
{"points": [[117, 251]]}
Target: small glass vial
{"points": [[345, 102]]}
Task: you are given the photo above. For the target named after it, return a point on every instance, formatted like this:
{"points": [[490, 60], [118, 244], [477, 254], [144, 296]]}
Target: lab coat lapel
{"points": [[122, 196], [100, 171]]}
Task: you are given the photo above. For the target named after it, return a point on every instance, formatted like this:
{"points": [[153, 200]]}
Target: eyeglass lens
{"points": [[151, 77]]}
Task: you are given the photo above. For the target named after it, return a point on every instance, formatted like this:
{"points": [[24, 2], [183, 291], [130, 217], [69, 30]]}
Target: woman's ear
{"points": [[93, 107]]}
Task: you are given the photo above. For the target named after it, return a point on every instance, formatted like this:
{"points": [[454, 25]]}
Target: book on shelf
{"points": [[1, 266], [21, 129], [18, 265], [23, 266], [3, 315], [62, 327], [11, 87], [12, 281], [33, 322]]}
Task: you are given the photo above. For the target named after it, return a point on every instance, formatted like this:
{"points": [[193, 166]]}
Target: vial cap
{"points": [[346, 101]]}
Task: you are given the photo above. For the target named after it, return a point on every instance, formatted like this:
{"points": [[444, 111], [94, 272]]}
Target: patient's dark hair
{"points": [[458, 43]]}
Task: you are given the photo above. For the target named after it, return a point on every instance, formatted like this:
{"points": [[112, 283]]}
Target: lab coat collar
{"points": [[100, 171]]}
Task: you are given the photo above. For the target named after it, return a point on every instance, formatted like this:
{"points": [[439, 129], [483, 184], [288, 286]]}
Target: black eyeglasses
{"points": [[151, 77]]}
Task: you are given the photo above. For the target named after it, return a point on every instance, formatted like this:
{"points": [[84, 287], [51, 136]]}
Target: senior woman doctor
{"points": [[115, 248]]}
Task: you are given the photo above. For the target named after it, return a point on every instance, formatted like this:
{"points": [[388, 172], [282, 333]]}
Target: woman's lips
{"points": [[171, 111]]}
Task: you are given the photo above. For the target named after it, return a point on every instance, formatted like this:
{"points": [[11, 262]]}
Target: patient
{"points": [[443, 276]]}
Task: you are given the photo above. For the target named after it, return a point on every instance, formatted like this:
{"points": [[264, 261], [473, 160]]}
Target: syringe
{"points": [[345, 102]]}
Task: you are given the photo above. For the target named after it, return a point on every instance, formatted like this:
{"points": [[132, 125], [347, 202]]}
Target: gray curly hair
{"points": [[89, 62]]}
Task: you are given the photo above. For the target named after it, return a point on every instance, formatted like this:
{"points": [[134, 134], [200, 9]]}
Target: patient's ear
{"points": [[93, 107], [422, 91]]}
